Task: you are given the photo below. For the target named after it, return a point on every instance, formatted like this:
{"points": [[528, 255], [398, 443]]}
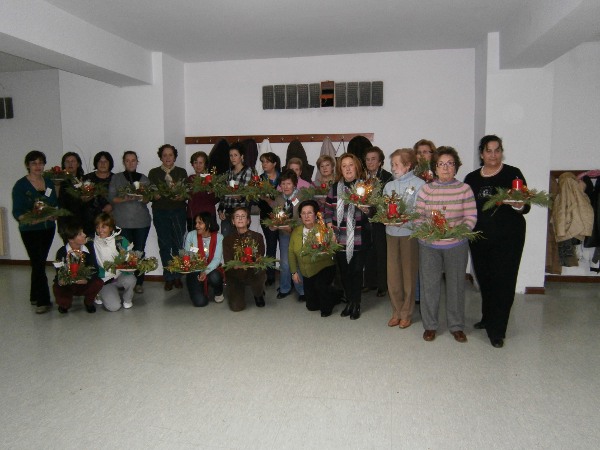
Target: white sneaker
{"points": [[98, 300], [219, 298], [127, 305]]}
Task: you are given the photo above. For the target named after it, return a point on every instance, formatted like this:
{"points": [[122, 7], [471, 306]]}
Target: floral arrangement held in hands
{"points": [[187, 261], [178, 190], [140, 191], [73, 269], [393, 210], [518, 193], [320, 240], [57, 174], [436, 228], [278, 218], [311, 192], [246, 256], [41, 212], [208, 182], [363, 193], [131, 261], [86, 189], [257, 188], [423, 170]]}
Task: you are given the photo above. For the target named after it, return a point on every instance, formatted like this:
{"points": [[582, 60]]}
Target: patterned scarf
{"points": [[350, 219]]}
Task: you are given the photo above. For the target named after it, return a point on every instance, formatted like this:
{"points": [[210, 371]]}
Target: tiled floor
{"points": [[166, 375]]}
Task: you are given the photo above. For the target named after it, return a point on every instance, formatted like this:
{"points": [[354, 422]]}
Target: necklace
{"points": [[491, 174]]}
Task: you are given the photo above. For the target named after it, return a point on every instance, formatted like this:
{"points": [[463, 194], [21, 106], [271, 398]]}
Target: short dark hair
{"points": [[309, 202], [444, 150], [271, 157], [486, 140], [34, 155], [108, 156], [105, 219], [207, 219], [197, 155], [289, 174], [162, 147], [69, 229], [78, 158], [129, 152], [375, 150]]}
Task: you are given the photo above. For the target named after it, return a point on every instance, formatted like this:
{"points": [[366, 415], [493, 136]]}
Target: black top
{"points": [[501, 220]]}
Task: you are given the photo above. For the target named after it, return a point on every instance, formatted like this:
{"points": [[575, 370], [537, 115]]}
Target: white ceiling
{"points": [[216, 30]]}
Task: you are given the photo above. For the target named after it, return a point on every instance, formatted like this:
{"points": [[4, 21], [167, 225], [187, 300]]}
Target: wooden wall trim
{"points": [[573, 278], [535, 290], [278, 138]]}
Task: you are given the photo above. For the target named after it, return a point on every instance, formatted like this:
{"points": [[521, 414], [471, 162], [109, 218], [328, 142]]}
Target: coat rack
{"points": [[278, 138]]}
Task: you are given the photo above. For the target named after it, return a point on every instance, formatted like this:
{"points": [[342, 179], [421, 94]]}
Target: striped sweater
{"points": [[455, 199]]}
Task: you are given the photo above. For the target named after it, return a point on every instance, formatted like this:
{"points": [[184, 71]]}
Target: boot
{"points": [[347, 310], [355, 313]]}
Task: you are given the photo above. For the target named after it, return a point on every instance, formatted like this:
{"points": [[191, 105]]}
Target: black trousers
{"points": [[496, 262], [376, 259], [351, 274], [319, 292], [38, 243], [271, 240]]}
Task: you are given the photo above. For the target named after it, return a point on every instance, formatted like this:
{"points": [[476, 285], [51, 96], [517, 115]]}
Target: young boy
{"points": [[73, 234]]}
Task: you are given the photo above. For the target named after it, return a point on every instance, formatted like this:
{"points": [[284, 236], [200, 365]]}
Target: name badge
{"points": [[295, 201], [48, 192]]}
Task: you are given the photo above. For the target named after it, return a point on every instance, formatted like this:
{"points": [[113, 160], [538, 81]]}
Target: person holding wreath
{"points": [[497, 257]]}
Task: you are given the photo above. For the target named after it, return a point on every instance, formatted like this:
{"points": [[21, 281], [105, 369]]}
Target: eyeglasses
{"points": [[446, 164]]}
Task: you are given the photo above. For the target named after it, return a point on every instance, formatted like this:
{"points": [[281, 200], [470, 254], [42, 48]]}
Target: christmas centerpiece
{"points": [[315, 192], [178, 190], [186, 262], [320, 240], [128, 260], [246, 256], [73, 269], [41, 212], [278, 218], [138, 191], [86, 189], [229, 188], [363, 193], [208, 182], [57, 174], [257, 188], [423, 170], [519, 193], [437, 228], [393, 210]]}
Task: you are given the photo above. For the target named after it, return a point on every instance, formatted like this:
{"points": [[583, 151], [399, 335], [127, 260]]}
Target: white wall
{"points": [[576, 109], [427, 94], [36, 126], [519, 109], [174, 104]]}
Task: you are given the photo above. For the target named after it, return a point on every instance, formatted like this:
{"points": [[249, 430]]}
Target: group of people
{"points": [[374, 256]]}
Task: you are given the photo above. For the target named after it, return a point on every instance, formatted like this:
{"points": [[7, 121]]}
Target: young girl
{"points": [[105, 246], [209, 244]]}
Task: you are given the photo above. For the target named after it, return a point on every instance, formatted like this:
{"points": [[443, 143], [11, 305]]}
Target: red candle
{"points": [[207, 179], [517, 184], [392, 209], [74, 268], [248, 251], [186, 259]]}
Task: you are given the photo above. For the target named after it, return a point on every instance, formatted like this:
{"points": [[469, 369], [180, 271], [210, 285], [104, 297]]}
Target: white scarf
{"points": [[168, 178], [106, 250]]}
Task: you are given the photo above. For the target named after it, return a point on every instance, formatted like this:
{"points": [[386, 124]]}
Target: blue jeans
{"points": [[170, 231], [285, 276], [196, 288], [138, 236]]}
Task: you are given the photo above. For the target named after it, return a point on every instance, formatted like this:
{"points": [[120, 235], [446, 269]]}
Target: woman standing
{"points": [[37, 237], [424, 150], [71, 162], [402, 252], [238, 174], [288, 201], [454, 199], [348, 223], [318, 274], [326, 167], [103, 165], [200, 201], [497, 257], [131, 214], [209, 242], [270, 165], [168, 214]]}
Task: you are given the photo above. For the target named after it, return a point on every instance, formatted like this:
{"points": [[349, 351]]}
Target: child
{"points": [[73, 234], [105, 247]]}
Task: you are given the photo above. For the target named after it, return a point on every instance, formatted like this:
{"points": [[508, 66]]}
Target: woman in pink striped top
{"points": [[456, 201]]}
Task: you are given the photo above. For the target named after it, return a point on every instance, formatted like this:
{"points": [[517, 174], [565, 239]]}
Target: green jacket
{"points": [[307, 267]]}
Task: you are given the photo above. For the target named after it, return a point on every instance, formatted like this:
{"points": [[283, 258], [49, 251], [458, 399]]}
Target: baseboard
{"points": [[573, 278], [535, 290], [25, 262]]}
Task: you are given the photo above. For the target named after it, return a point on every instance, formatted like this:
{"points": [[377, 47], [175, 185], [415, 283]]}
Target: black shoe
{"points": [[347, 310], [326, 313], [62, 310], [269, 282], [281, 295], [497, 343], [479, 325], [366, 289], [90, 308], [381, 292], [355, 314], [260, 301], [301, 298]]}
